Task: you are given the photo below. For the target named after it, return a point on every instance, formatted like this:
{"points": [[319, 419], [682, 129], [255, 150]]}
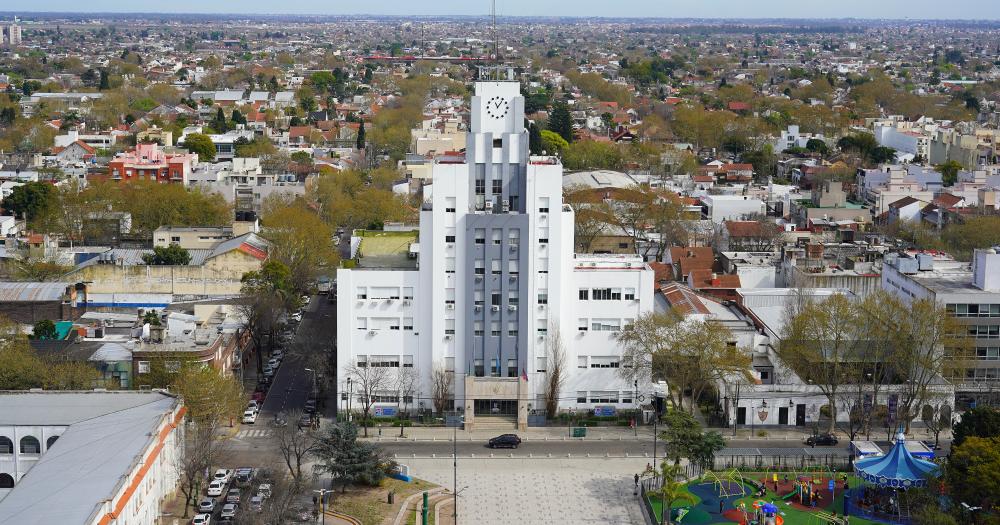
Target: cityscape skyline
{"points": [[709, 9]]}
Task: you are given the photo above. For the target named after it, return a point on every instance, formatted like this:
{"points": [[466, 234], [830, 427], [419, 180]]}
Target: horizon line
{"points": [[487, 16]]}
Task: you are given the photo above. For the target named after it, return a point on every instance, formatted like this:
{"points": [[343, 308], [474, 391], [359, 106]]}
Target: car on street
{"points": [[258, 396], [249, 417], [823, 440], [228, 512], [216, 487], [224, 474], [207, 505], [273, 362], [310, 406], [268, 370], [244, 475], [277, 354], [505, 441], [233, 496], [201, 519], [305, 421], [264, 490], [297, 316], [257, 503], [279, 421]]}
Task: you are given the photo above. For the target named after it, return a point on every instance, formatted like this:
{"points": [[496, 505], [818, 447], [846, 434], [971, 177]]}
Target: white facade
{"points": [[496, 278], [720, 208], [792, 138]]}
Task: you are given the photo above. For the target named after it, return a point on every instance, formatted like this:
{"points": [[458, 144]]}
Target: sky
{"points": [[897, 9]]}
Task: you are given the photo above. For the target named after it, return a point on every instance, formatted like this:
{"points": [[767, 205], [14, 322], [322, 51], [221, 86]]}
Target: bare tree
{"points": [[201, 450], [407, 382], [285, 491], [555, 369], [294, 444], [936, 417], [442, 387], [758, 234], [370, 381]]}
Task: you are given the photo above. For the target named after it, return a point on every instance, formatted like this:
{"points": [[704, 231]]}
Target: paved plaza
{"points": [[539, 491]]}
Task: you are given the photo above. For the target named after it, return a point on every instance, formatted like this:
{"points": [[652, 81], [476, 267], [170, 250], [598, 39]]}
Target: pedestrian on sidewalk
{"points": [[636, 480]]}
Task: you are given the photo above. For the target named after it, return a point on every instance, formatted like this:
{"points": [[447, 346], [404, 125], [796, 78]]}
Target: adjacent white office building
{"points": [[489, 283]]}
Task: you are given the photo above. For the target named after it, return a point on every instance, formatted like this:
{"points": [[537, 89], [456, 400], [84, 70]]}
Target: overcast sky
{"points": [[926, 9]]}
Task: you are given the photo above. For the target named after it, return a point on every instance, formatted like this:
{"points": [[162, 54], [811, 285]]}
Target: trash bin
{"points": [[579, 432]]}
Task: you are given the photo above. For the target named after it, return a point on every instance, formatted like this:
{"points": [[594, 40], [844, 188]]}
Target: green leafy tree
{"points": [[561, 122], [817, 146], [535, 145], [982, 421], [30, 200], [349, 461], [44, 330], [949, 172], [973, 472], [172, 255], [360, 143], [672, 490], [552, 142], [202, 145]]}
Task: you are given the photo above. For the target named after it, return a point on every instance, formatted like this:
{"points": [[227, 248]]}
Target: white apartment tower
{"points": [[495, 284], [14, 33]]}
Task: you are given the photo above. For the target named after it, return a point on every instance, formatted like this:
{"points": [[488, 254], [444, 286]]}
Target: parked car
{"points": [[310, 406], [277, 354], [297, 316], [253, 405], [258, 396], [273, 362], [250, 416], [244, 475], [228, 512], [207, 505], [224, 474], [257, 503], [233, 496], [932, 445], [305, 421], [824, 440], [264, 490], [216, 487], [505, 440], [201, 519]]}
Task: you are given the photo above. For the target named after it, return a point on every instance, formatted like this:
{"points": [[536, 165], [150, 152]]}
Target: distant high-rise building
{"points": [[14, 33]]}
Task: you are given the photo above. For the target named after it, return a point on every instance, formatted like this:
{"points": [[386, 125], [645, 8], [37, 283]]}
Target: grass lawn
{"points": [[701, 514], [368, 504]]}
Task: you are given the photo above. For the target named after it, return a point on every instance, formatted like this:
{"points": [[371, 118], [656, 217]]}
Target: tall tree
{"points": [[368, 382], [294, 444], [201, 144], [349, 461], [30, 200], [561, 122], [300, 239], [555, 369]]}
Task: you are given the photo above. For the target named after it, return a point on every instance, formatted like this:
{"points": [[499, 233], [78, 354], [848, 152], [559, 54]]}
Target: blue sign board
{"points": [[385, 411], [604, 411], [830, 485]]}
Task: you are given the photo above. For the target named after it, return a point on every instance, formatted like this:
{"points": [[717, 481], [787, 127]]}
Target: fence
{"points": [[783, 462]]}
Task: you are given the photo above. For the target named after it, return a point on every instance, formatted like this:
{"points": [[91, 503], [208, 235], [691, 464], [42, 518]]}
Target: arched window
{"points": [[6, 481], [50, 441], [6, 445], [30, 445]]}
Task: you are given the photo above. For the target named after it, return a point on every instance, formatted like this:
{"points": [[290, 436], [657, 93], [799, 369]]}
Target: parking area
{"points": [[231, 494]]}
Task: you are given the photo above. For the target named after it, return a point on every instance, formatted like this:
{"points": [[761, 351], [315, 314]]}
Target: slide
{"points": [[789, 495]]}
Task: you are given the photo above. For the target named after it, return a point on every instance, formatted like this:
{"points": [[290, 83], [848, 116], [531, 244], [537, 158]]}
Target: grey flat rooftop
{"points": [[107, 433]]}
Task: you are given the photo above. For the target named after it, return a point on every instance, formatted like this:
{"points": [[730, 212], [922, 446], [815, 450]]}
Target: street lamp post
{"points": [[350, 393], [313, 388], [454, 458], [322, 501], [635, 417]]}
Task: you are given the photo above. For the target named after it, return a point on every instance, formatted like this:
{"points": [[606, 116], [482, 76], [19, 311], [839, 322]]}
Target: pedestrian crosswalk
{"points": [[253, 433]]}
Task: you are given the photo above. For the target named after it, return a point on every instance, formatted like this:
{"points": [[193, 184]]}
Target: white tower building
{"points": [[496, 282], [14, 33]]}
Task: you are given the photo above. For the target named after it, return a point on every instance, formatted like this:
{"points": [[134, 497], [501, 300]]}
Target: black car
{"points": [[506, 440], [821, 440]]}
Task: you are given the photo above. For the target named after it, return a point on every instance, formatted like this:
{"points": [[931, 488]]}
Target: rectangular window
{"points": [[581, 361], [480, 267], [604, 397], [362, 323], [407, 323], [495, 328], [630, 294], [449, 364], [394, 324], [584, 294], [512, 368], [494, 368], [497, 186], [477, 297], [540, 364], [477, 328], [513, 266], [605, 325], [581, 396], [495, 299], [626, 397], [449, 238], [449, 265], [449, 296], [543, 265], [449, 203], [513, 297], [601, 294], [480, 236], [480, 186], [543, 205], [603, 362], [543, 296], [449, 326], [362, 292], [582, 324], [495, 266], [143, 367], [497, 236], [479, 371], [616, 294], [385, 361], [362, 361], [512, 328], [514, 237]]}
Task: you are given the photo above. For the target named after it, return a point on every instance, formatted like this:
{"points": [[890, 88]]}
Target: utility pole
{"points": [[322, 502], [454, 457]]}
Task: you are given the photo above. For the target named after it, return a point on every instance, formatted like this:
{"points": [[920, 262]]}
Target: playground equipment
{"points": [[730, 484], [829, 519], [764, 513]]}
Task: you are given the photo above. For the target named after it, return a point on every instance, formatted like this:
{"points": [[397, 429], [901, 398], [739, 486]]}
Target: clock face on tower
{"points": [[497, 107]]}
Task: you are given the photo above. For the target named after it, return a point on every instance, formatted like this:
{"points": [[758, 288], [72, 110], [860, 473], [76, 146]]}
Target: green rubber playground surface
{"points": [[706, 495]]}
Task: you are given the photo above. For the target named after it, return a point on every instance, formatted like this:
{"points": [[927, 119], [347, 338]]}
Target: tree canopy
{"points": [[172, 255], [201, 144]]}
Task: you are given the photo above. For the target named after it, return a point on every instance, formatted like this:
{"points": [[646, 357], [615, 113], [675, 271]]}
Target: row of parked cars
{"points": [[228, 486]]}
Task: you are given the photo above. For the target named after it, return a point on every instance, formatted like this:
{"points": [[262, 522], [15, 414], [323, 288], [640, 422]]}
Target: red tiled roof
{"points": [[947, 200], [739, 229], [702, 279], [662, 272], [739, 106], [692, 258], [683, 299]]}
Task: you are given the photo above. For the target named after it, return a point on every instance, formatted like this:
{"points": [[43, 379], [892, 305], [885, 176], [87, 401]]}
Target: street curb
{"points": [[401, 515], [529, 456]]}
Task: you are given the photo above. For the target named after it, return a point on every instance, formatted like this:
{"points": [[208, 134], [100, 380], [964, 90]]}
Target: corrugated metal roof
{"points": [[11, 292]]}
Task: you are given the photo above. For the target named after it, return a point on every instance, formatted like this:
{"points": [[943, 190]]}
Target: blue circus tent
{"points": [[897, 469]]}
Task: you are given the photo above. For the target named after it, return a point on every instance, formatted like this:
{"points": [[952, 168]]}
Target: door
{"points": [[782, 415], [741, 416], [800, 415]]}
